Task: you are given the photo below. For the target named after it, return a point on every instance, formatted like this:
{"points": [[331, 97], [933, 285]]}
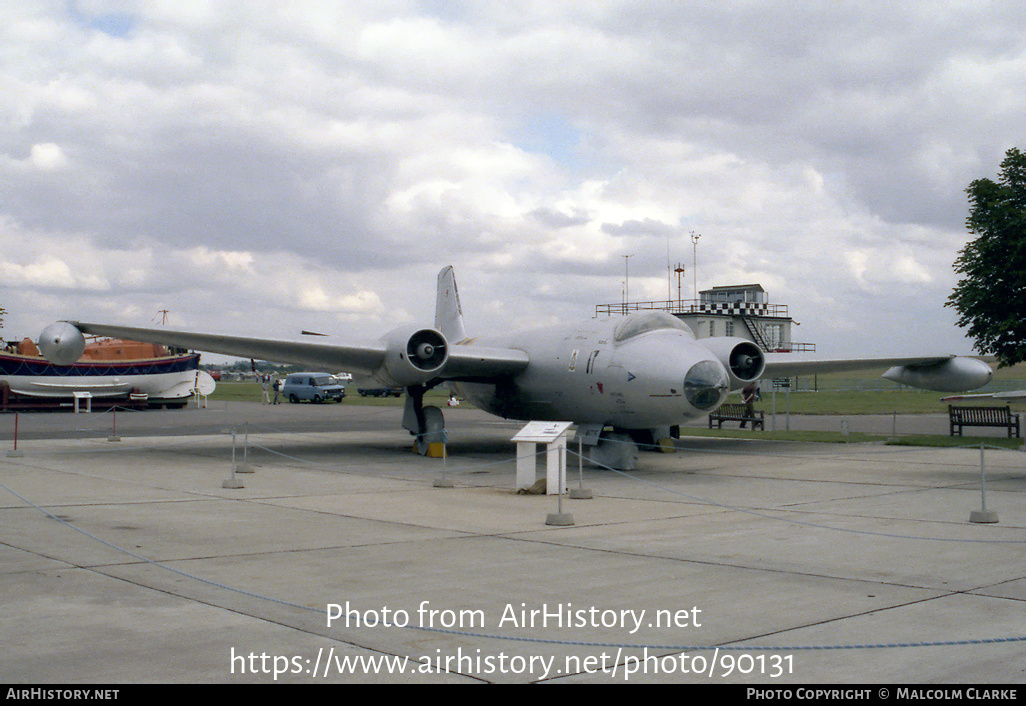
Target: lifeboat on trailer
{"points": [[108, 368]]}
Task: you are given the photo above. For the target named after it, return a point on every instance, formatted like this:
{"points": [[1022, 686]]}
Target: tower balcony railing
{"points": [[793, 347], [683, 307], [695, 306]]}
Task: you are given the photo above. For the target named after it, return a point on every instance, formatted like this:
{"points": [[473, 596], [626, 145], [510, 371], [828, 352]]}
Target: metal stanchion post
{"points": [[560, 518], [983, 515], [244, 467], [444, 482], [580, 492], [15, 453], [232, 481], [114, 425]]}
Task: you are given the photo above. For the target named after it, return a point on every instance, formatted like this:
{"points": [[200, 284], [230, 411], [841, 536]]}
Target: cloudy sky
{"points": [[264, 167]]}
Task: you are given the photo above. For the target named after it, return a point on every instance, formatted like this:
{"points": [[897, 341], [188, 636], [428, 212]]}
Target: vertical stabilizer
{"points": [[448, 312]]}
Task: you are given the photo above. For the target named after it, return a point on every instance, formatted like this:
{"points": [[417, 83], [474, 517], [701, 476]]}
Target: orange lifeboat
{"points": [[116, 349]]}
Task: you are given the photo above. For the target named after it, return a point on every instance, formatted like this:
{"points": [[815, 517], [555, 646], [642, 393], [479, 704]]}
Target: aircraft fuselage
{"points": [[598, 373]]}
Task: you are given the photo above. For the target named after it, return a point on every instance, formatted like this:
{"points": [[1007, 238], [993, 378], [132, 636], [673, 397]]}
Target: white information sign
{"points": [[553, 435]]}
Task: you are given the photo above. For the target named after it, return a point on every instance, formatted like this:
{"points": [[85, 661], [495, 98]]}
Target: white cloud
{"points": [[48, 272], [242, 166], [221, 261]]}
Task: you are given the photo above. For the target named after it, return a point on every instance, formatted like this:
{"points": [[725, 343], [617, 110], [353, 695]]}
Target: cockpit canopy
{"points": [[636, 324]]}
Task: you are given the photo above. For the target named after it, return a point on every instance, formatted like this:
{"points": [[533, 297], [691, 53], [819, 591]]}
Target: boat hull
{"points": [[164, 379]]}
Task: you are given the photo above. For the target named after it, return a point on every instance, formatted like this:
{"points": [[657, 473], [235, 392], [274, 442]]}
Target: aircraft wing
{"points": [[462, 362], [788, 365], [946, 373], [472, 362], [364, 359]]}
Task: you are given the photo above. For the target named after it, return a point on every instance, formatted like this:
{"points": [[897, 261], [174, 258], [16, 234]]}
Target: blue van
{"points": [[315, 387]]}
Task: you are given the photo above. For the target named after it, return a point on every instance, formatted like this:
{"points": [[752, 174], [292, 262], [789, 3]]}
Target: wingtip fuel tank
{"points": [[61, 343], [955, 374]]}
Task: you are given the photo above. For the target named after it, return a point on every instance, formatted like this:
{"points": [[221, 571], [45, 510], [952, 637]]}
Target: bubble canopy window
{"points": [[637, 324]]}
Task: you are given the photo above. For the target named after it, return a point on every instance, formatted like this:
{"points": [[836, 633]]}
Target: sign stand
{"points": [[553, 435], [83, 395]]}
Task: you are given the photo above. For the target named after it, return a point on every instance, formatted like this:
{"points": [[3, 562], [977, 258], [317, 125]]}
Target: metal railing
{"points": [[694, 306], [684, 307]]}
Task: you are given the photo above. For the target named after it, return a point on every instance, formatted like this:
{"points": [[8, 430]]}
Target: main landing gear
{"points": [[619, 448], [426, 424]]}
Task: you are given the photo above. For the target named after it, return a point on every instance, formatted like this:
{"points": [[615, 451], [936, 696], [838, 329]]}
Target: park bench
{"points": [[982, 417], [736, 413]]}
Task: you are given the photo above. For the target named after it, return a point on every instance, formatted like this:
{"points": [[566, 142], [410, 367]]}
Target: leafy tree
{"points": [[991, 296]]}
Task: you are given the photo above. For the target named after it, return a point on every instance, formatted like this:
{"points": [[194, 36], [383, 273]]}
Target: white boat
{"points": [[109, 368]]}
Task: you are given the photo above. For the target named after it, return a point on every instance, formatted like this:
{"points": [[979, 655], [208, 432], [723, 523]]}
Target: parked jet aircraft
{"points": [[643, 374]]}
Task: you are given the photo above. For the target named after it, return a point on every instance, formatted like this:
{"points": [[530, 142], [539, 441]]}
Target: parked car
{"points": [[315, 387], [380, 391]]}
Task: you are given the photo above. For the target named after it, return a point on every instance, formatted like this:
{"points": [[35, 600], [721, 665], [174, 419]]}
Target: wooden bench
{"points": [[983, 417], [736, 413]]}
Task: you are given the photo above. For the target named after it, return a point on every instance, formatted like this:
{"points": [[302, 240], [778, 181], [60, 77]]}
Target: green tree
{"points": [[991, 296]]}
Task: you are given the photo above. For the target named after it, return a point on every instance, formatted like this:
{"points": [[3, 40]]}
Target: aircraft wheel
{"points": [[434, 430], [615, 450], [293, 399]]}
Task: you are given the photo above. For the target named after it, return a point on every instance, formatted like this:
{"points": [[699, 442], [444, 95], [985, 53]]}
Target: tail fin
{"points": [[448, 312]]}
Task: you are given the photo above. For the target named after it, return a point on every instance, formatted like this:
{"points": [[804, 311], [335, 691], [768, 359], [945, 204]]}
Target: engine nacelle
{"points": [[61, 343], [743, 359], [951, 375], [414, 356]]}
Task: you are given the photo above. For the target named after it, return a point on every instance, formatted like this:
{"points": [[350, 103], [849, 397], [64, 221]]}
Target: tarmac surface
{"points": [[728, 561]]}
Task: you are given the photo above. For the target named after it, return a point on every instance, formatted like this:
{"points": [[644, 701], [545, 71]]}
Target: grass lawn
{"points": [[870, 402], [835, 437], [837, 393], [252, 392], [826, 401]]}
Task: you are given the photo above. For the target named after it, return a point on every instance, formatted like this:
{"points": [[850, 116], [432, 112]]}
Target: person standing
{"points": [[748, 397]]}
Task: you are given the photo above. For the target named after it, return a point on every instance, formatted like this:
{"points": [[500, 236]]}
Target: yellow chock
{"points": [[436, 449], [667, 446]]}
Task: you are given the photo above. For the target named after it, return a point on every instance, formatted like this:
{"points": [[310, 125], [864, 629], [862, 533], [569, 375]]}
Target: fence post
{"points": [[15, 453]]}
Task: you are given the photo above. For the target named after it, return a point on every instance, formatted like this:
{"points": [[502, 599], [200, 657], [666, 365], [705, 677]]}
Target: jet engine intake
{"points": [[61, 343], [413, 358], [743, 359]]}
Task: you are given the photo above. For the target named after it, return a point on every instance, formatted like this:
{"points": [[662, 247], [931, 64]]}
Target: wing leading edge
{"points": [[362, 359], [464, 362], [787, 365], [947, 373]]}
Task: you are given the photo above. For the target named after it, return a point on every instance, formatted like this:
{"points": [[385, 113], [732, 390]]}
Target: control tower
{"points": [[740, 310]]}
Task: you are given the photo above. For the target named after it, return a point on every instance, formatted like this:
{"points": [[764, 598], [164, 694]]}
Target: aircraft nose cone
{"points": [[706, 384]]}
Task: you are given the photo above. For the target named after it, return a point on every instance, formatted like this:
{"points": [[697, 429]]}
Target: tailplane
{"points": [[448, 312]]}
